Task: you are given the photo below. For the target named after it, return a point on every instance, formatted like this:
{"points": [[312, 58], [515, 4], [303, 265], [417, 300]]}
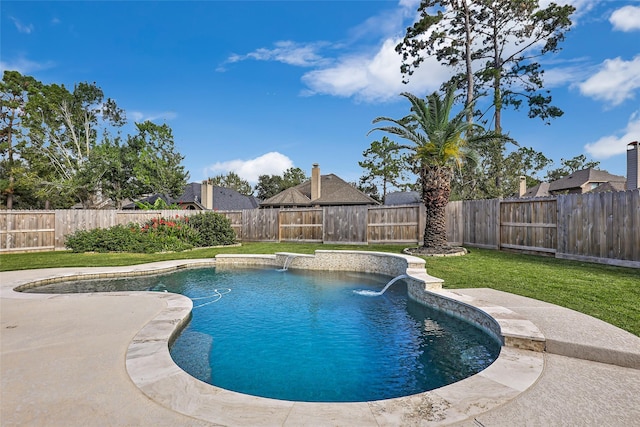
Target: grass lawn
{"points": [[608, 293]]}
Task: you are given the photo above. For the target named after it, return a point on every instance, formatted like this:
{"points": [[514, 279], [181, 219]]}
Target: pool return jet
{"points": [[377, 294]]}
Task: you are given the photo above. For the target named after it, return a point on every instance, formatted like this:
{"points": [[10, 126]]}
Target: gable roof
{"points": [[191, 194], [540, 190], [402, 198], [227, 199], [581, 177], [334, 191], [610, 186], [290, 197]]}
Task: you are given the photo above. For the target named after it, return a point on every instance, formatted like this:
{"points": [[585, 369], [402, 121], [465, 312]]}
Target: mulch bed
{"points": [[439, 251]]}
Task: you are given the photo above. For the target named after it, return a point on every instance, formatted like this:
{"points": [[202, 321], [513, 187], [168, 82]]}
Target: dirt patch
{"points": [[440, 251]]}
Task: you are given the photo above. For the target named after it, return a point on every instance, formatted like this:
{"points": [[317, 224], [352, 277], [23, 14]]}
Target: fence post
{"points": [[498, 220]]}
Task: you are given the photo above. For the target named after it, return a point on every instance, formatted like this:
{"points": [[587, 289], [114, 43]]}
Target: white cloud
{"points": [[616, 81], [374, 78], [287, 52], [388, 21], [25, 66], [272, 163], [565, 75], [626, 18], [140, 117], [22, 28], [612, 145], [373, 74]]}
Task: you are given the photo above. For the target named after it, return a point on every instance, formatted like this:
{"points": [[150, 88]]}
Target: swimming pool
{"points": [[309, 337]]}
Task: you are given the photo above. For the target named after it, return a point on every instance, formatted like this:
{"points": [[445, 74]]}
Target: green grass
{"points": [[608, 293]]}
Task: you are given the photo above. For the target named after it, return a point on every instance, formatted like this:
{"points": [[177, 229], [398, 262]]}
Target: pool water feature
{"points": [[309, 337], [369, 293]]}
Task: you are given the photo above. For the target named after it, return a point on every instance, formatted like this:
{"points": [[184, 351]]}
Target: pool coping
{"points": [[150, 367]]}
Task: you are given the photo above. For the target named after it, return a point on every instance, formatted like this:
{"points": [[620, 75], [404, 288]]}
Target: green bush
{"points": [[213, 229], [119, 238], [156, 235]]}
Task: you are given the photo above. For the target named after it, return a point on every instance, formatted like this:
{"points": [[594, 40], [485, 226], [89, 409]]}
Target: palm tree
{"points": [[439, 145]]}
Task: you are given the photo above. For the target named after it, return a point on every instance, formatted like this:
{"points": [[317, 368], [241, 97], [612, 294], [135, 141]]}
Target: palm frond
{"points": [[439, 139]]}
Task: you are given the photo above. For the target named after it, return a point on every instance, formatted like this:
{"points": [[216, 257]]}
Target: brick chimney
{"points": [[206, 194], [315, 182], [523, 186], [633, 165]]}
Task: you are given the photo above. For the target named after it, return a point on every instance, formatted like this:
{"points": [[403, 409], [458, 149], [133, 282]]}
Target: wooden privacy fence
{"points": [[594, 227], [335, 224]]}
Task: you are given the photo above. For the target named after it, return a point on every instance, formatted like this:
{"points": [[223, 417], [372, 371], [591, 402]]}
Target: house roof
{"points": [[581, 177], [333, 191], [191, 194], [149, 199], [224, 199], [540, 190], [610, 186], [402, 198], [289, 197]]}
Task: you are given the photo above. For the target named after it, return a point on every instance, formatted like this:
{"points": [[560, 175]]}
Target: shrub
{"points": [[173, 230], [156, 235], [119, 238], [213, 229]]}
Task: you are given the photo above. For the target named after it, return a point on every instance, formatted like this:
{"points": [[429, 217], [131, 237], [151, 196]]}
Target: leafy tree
{"points": [[570, 166], [368, 188], [439, 144], [445, 30], [14, 92], [159, 204], [292, 177], [232, 180], [527, 162], [493, 45], [158, 168], [109, 169], [60, 130], [476, 183], [384, 163], [57, 148], [270, 185]]}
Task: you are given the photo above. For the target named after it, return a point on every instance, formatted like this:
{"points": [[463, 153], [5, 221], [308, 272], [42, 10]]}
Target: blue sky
{"points": [[257, 87]]}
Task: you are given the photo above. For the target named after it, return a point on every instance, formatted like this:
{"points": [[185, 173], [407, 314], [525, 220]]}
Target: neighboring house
{"points": [[584, 181], [205, 196], [540, 190], [610, 186], [403, 198], [320, 190], [150, 200]]}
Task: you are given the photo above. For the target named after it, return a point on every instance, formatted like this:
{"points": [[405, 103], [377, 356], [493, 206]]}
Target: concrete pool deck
{"points": [[71, 360]]}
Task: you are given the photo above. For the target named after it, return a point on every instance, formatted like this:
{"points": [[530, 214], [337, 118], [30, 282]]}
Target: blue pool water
{"points": [[308, 336]]}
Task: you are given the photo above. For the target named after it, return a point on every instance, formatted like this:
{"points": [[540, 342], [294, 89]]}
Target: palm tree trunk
{"points": [[436, 188]]}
